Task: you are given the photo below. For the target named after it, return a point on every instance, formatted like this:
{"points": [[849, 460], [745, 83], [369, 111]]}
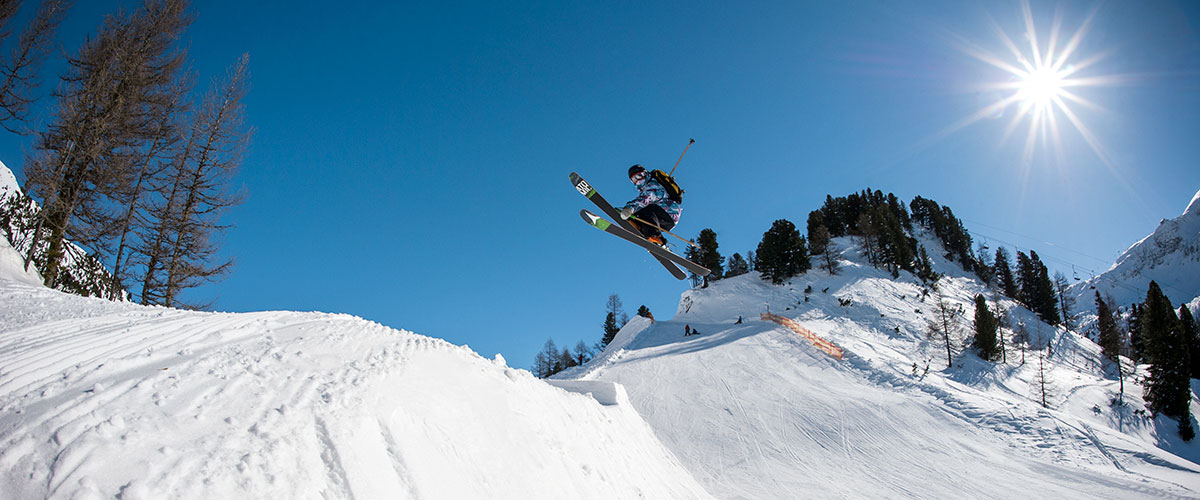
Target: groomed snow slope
{"points": [[756, 412], [103, 400]]}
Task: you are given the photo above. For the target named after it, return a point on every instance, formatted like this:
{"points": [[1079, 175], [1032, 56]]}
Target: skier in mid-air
{"points": [[652, 207]]}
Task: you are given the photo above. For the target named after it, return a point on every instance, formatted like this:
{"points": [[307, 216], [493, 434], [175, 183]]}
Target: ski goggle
{"points": [[638, 177]]}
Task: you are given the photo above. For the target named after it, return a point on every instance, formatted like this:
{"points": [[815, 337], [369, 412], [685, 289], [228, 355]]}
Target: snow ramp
{"points": [[756, 412], [104, 400]]}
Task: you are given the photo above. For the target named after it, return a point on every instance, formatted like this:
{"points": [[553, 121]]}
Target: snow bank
{"points": [[102, 400], [12, 266]]}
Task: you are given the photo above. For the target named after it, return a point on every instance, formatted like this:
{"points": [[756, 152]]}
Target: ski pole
{"points": [[672, 174], [655, 226]]}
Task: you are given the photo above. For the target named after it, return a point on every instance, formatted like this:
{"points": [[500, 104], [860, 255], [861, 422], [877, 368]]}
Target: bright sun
{"points": [[1039, 82], [1040, 87]]}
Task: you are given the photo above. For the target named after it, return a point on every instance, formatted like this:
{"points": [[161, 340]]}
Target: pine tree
{"points": [[950, 230], [898, 253], [1036, 289], [782, 253], [985, 330], [1109, 336], [868, 231], [820, 242], [737, 266], [1004, 274], [1046, 301], [614, 319], [983, 265], [708, 256], [1134, 322], [1026, 281], [610, 329], [925, 267], [1191, 334], [1167, 389], [644, 312], [1186, 431]]}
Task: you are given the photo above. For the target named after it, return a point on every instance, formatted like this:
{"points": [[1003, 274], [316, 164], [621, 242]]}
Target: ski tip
{"points": [[595, 220]]}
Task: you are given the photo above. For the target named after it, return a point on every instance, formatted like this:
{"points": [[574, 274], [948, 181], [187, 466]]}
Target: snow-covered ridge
{"points": [[1170, 256], [757, 412], [1193, 207], [101, 399]]}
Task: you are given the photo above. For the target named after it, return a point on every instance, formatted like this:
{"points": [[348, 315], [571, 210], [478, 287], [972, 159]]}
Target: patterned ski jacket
{"points": [[651, 192]]}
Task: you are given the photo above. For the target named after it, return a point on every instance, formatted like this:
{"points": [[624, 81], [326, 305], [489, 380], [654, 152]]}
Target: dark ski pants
{"points": [[656, 215]]}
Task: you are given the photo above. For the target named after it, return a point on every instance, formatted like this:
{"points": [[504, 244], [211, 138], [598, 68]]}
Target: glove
{"points": [[626, 213]]}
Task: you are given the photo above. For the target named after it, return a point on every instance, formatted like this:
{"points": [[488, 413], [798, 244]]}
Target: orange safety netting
{"points": [[821, 343]]}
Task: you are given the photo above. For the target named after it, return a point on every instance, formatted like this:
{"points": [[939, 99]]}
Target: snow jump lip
{"points": [[816, 340]]}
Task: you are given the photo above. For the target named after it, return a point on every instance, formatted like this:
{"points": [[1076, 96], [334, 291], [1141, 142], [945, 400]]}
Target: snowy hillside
{"points": [[1170, 256], [101, 400], [12, 266], [756, 412], [8, 181], [78, 275]]}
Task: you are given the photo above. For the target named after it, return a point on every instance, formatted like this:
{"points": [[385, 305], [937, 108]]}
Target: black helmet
{"points": [[635, 169]]}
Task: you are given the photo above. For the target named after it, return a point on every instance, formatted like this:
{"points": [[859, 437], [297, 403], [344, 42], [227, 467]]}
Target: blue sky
{"points": [[410, 161]]}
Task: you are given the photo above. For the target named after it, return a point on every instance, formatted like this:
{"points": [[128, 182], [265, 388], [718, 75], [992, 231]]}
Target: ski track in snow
{"points": [[101, 400]]}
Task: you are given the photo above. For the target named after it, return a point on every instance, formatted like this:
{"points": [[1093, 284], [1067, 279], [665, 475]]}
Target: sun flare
{"points": [[1041, 74]]}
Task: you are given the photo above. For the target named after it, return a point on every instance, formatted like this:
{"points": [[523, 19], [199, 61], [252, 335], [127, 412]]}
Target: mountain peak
{"points": [[1194, 206]]}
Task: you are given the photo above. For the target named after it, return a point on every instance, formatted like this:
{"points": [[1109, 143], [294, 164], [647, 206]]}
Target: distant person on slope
{"points": [[652, 205]]}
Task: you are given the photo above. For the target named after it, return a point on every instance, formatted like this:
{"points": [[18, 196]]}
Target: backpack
{"points": [[668, 183]]}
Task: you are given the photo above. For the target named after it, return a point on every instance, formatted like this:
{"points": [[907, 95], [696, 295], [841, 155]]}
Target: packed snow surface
{"points": [[102, 400], [757, 412]]}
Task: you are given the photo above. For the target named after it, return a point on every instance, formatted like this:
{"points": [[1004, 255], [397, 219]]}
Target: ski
{"points": [[604, 225], [590, 193]]}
